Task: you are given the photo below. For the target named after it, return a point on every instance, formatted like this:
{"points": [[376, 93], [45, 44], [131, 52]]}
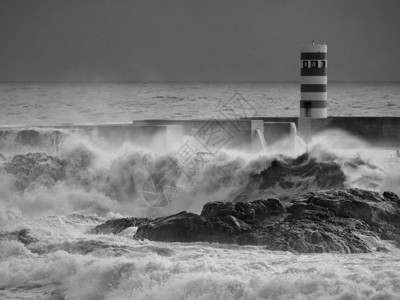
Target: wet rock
{"points": [[218, 209], [189, 227], [325, 221], [118, 225], [265, 208], [258, 209], [391, 197], [315, 233], [237, 225], [382, 249]]}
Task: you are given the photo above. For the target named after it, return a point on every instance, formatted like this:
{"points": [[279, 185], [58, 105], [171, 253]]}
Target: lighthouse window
{"points": [[323, 64], [314, 64], [305, 64]]}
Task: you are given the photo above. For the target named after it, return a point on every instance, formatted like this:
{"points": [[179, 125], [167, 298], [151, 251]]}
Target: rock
{"points": [[237, 225], [218, 209], [118, 225], [245, 211], [382, 249], [257, 209], [325, 221], [391, 196], [272, 207], [298, 208], [189, 227], [314, 232], [359, 204]]}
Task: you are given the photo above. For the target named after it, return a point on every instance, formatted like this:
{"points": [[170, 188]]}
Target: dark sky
{"points": [[202, 40]]}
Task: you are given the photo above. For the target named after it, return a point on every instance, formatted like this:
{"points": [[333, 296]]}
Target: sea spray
{"points": [[60, 196], [88, 174], [66, 263]]}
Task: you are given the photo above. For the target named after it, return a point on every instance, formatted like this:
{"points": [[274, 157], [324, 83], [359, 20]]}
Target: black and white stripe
{"points": [[314, 81]]}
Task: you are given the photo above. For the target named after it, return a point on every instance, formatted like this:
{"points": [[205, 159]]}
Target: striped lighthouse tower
{"points": [[314, 81]]}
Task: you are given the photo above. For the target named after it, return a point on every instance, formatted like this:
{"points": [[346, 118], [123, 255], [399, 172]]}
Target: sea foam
{"points": [[60, 195]]}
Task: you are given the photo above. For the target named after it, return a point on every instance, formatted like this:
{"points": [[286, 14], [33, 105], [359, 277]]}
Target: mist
{"points": [[90, 175]]}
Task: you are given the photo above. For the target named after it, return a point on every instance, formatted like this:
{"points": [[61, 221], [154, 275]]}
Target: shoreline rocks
{"points": [[324, 221]]}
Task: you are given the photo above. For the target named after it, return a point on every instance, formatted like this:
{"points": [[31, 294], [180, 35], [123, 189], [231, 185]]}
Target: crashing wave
{"points": [[87, 173]]}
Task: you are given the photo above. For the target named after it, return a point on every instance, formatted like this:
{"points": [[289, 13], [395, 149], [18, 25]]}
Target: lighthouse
{"points": [[313, 102]]}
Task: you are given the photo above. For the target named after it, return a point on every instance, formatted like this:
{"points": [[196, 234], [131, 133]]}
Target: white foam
{"points": [[121, 268]]}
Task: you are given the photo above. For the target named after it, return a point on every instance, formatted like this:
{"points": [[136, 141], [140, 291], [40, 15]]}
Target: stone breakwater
{"points": [[339, 221]]}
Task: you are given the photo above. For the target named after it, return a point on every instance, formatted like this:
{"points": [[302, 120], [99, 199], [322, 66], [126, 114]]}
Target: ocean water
{"points": [[60, 190], [64, 103], [69, 263]]}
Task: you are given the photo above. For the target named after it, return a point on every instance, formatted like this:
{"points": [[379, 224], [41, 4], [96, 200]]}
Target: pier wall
{"points": [[378, 131]]}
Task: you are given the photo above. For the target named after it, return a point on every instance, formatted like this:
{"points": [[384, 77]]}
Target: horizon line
{"points": [[192, 81]]}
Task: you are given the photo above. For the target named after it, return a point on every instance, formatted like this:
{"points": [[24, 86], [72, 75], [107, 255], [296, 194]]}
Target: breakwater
{"points": [[237, 133]]}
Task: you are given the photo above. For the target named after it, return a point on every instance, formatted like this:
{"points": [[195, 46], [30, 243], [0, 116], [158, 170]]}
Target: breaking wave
{"points": [[57, 185], [83, 173], [66, 262]]}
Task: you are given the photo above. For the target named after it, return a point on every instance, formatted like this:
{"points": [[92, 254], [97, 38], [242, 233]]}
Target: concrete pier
{"points": [[256, 144], [378, 131], [280, 132]]}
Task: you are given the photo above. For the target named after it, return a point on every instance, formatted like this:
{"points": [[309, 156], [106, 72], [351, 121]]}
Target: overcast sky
{"points": [[202, 40]]}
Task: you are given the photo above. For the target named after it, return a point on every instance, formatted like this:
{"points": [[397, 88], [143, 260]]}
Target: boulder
{"points": [[391, 197], [257, 209], [189, 227], [382, 249], [116, 226]]}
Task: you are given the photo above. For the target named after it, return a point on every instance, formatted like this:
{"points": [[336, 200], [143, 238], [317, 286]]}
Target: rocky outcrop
{"points": [[246, 211], [118, 225], [328, 221], [189, 227], [222, 222]]}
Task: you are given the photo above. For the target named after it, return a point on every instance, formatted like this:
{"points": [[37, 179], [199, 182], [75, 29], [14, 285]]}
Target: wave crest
{"points": [[87, 173]]}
